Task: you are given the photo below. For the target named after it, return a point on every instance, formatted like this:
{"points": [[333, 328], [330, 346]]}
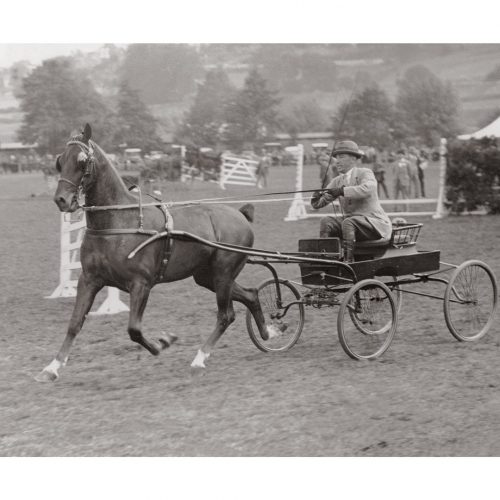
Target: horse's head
{"points": [[76, 166]]}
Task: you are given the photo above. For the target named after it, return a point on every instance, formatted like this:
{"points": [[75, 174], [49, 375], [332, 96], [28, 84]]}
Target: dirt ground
{"points": [[429, 395]]}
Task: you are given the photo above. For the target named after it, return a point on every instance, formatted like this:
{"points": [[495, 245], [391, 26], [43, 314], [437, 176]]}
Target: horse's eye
{"points": [[58, 164]]}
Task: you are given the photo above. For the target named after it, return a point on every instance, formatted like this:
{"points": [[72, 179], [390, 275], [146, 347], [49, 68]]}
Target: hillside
{"points": [[465, 66]]}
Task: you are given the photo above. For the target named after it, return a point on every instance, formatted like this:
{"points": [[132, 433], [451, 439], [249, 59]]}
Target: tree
{"points": [[302, 115], [161, 72], [367, 118], [251, 115], [427, 106], [136, 126], [105, 74], [203, 122], [57, 99]]}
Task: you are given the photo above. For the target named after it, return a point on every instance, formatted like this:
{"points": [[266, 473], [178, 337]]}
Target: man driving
{"points": [[355, 187]]}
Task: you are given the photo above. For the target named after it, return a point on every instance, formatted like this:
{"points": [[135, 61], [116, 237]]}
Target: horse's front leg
{"points": [[139, 294], [86, 292]]}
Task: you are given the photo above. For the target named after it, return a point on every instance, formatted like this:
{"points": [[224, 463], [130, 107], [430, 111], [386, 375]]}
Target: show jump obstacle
{"points": [[298, 209], [239, 171], [72, 231]]}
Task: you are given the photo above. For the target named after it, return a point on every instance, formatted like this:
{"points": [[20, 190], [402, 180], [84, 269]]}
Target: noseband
{"points": [[90, 161]]}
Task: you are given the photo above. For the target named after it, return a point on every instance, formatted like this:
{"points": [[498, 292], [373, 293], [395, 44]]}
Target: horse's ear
{"points": [[87, 132]]}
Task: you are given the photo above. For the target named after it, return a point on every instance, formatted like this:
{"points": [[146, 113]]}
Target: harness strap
{"points": [[167, 247], [104, 232]]}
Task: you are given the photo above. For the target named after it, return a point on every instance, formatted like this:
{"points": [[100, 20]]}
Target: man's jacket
{"points": [[360, 199]]}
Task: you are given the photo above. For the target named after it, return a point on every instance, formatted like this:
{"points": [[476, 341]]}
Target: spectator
{"points": [[414, 191], [263, 170], [379, 172], [421, 165], [401, 171]]}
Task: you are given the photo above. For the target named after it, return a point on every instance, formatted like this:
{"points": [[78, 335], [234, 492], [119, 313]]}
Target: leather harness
{"points": [[152, 233]]}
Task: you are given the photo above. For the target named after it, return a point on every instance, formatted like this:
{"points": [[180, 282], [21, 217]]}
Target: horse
{"points": [[109, 240]]}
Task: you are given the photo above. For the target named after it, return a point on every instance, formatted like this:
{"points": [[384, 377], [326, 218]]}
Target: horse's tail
{"points": [[248, 210]]}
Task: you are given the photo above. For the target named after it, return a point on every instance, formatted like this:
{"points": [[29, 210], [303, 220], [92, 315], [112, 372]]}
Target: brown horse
{"points": [[111, 237]]}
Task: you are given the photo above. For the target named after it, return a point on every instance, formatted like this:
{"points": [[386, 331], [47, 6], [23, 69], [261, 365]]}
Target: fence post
{"points": [[440, 208], [297, 209], [70, 261]]}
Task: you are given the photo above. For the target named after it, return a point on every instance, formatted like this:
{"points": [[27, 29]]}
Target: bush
{"points": [[472, 175]]}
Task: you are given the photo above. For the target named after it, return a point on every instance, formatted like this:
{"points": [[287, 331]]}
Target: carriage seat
{"points": [[381, 242]]}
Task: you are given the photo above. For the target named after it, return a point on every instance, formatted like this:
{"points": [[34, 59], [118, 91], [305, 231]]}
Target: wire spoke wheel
{"points": [[470, 301], [367, 320], [285, 323], [357, 319]]}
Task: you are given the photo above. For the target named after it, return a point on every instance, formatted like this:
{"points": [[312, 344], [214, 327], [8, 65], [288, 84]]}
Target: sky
{"points": [[37, 52]]}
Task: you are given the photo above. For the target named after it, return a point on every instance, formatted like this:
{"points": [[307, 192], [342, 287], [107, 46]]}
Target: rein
{"points": [[97, 208]]}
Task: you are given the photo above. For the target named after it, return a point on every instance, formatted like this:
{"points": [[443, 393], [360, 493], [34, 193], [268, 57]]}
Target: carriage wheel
{"points": [[470, 300], [367, 320], [398, 296], [289, 327]]}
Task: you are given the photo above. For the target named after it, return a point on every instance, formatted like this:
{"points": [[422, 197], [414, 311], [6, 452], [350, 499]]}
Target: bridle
{"points": [[90, 162]]}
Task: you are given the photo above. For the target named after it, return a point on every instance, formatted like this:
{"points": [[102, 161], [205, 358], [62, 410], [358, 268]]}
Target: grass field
{"points": [[427, 396]]}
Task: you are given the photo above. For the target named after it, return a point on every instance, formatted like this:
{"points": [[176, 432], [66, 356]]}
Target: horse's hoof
{"points": [[167, 339], [46, 376], [197, 365], [197, 372]]}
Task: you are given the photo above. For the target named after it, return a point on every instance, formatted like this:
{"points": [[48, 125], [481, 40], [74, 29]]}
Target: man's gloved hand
{"points": [[315, 198], [336, 192]]}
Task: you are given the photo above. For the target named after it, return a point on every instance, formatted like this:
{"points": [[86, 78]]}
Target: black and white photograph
{"points": [[260, 248]]}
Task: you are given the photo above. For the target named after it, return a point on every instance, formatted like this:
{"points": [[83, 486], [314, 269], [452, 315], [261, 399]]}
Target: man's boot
{"points": [[348, 250]]}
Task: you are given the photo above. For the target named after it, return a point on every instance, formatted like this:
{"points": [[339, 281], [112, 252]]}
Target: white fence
{"points": [[239, 171], [72, 231]]}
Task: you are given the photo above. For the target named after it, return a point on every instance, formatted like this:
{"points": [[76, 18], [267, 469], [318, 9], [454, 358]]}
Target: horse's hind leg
{"points": [[222, 285], [139, 294], [86, 292], [250, 298]]}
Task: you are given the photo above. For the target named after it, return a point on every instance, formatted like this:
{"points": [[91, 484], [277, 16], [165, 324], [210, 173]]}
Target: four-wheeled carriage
{"points": [[369, 292]]}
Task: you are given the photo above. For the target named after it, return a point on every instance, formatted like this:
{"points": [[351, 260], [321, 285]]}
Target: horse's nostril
{"points": [[60, 201]]}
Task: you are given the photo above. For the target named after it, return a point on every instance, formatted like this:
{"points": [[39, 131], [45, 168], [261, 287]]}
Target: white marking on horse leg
{"points": [[272, 331], [54, 366], [199, 360], [51, 371]]}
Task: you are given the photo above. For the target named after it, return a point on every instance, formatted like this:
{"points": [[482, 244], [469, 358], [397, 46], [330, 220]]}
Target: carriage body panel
{"points": [[372, 259]]}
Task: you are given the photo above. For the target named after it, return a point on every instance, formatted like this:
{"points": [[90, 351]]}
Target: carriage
{"points": [[369, 291]]}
